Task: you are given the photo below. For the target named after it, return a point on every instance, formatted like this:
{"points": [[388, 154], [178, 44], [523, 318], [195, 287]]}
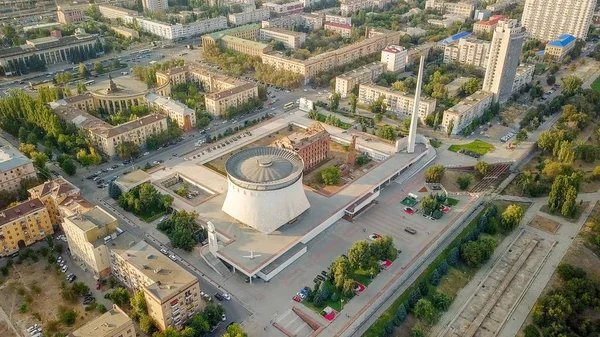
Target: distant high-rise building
{"points": [[155, 5], [505, 52], [546, 20]]}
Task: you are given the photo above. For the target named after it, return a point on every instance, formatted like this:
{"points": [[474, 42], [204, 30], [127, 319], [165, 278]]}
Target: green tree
{"points": [[359, 255], [341, 272], [399, 85], [331, 175], [234, 330], [463, 181], [83, 71], [334, 101], [147, 325], [570, 205], [81, 88], [482, 168], [120, 296], [213, 313], [200, 324], [511, 217], [471, 253], [571, 85], [553, 308], [424, 310], [470, 87], [558, 193], [434, 174], [441, 301], [379, 106], [450, 127], [138, 305], [387, 132], [353, 102], [68, 166], [128, 150], [429, 204], [551, 80], [522, 135]]}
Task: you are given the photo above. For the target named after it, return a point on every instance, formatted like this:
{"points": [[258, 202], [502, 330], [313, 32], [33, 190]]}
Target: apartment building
{"points": [[155, 5], [229, 3], [23, 225], [126, 32], [284, 9], [52, 193], [560, 47], [470, 50], [114, 12], [180, 31], [346, 82], [523, 76], [312, 145], [113, 323], [453, 88], [289, 38], [504, 58], [172, 293], [88, 234], [347, 7], [217, 103], [68, 15], [241, 39], [312, 21], [343, 29], [250, 16], [488, 26], [178, 112], [464, 9], [546, 20], [346, 55], [397, 102], [344, 20], [14, 167], [464, 113], [51, 50], [394, 57]]}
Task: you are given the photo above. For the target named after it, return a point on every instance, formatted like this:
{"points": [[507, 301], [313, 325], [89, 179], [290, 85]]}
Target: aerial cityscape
{"points": [[331, 168]]}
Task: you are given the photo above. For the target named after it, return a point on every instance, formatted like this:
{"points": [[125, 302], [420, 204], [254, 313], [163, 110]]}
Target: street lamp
{"points": [[342, 302], [371, 275]]}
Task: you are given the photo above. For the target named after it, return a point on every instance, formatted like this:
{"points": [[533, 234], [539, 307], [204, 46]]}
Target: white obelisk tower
{"points": [[414, 119]]}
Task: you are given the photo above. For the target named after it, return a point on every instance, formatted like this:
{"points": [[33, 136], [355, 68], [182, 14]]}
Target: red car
{"points": [[409, 210], [374, 236], [297, 299], [98, 285]]}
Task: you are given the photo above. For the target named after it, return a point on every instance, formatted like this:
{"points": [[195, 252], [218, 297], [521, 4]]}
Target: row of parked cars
{"points": [[35, 330]]}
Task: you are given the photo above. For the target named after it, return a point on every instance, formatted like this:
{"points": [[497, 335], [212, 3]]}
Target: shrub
{"points": [[417, 332], [568, 272], [424, 288], [401, 312], [424, 310], [453, 257], [435, 278], [441, 301], [531, 331], [414, 297], [443, 268], [492, 226]]}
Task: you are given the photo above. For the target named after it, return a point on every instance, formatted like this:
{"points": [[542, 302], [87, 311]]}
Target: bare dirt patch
{"points": [[6, 331], [544, 224], [449, 180], [45, 304]]}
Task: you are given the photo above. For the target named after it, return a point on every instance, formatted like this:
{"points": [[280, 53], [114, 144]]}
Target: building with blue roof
{"points": [[560, 47], [454, 38]]}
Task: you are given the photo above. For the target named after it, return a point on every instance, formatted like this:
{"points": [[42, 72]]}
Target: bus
{"points": [[144, 51], [89, 82], [288, 106]]}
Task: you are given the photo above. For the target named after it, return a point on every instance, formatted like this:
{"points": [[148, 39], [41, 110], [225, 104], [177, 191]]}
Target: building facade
{"points": [[68, 15], [560, 47], [14, 167], [155, 5], [343, 29], [172, 294], [312, 145], [218, 103], [487, 27], [464, 9], [181, 31], [113, 323], [126, 32], [547, 20], [289, 38], [251, 16], [114, 12], [284, 9], [397, 102], [464, 113], [178, 112], [89, 234], [505, 54], [469, 51], [346, 82], [394, 57], [23, 225], [345, 20], [52, 193], [523, 76]]}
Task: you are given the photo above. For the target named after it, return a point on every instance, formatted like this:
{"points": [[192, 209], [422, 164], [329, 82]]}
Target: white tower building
{"points": [[414, 118]]}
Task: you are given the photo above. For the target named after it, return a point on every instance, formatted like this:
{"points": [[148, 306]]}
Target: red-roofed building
{"points": [[345, 30], [488, 26]]}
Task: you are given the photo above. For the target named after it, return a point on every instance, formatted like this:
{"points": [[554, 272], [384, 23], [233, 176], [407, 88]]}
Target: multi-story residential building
{"points": [[155, 5], [546, 20], [51, 50], [346, 82], [311, 145], [464, 113], [22, 225], [114, 12], [22, 12], [487, 27], [505, 53], [448, 21], [345, 20], [250, 16], [560, 47], [52, 193], [178, 112], [397, 102], [523, 76], [415, 53], [394, 57], [289, 38], [126, 32], [172, 294], [313, 21], [14, 167], [294, 20], [464, 9], [346, 55], [244, 46], [343, 29], [113, 323], [229, 3], [88, 234], [241, 39], [68, 15], [453, 88], [217, 103], [284, 9], [468, 50], [347, 7], [181, 31]]}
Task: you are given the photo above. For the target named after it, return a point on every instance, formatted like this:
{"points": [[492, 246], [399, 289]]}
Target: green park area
{"points": [[596, 84], [477, 146]]}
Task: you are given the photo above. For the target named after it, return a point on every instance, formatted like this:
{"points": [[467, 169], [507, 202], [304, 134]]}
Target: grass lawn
{"points": [[476, 146], [342, 125], [452, 201], [435, 142], [596, 84], [337, 305], [363, 277], [150, 218]]}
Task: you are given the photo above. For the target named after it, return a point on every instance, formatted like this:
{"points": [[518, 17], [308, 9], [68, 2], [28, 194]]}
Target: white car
{"points": [[374, 236], [164, 251], [173, 257], [64, 269], [33, 328], [146, 153], [226, 296], [223, 317]]}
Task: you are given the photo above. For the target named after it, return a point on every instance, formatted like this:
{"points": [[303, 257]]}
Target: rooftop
{"points": [[104, 326], [218, 35], [359, 72], [394, 49], [57, 187], [93, 218], [46, 43], [493, 20], [249, 43], [339, 25], [469, 102], [229, 92], [167, 277], [11, 157], [169, 104], [20, 210], [455, 37], [562, 41], [284, 31], [132, 125], [133, 179]]}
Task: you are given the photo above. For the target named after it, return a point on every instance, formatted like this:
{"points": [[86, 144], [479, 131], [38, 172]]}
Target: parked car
{"points": [[173, 257], [410, 230], [321, 277], [374, 236], [164, 251], [219, 297], [226, 296]]}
